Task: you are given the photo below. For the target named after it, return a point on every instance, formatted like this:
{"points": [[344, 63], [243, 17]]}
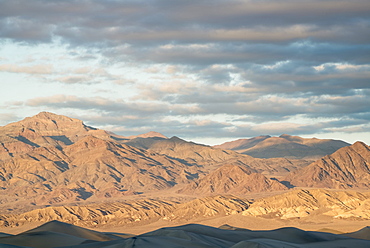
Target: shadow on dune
{"points": [[59, 234]]}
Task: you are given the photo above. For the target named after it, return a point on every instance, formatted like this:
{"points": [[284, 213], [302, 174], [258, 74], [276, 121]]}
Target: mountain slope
{"points": [[286, 146], [91, 167], [130, 212], [45, 129], [349, 167], [301, 203], [232, 179], [212, 158]]}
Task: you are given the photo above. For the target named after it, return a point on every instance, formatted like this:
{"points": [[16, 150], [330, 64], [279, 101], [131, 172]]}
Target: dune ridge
{"points": [[58, 234]]}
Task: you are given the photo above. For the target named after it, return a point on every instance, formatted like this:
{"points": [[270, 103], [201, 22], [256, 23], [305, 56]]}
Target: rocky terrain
{"points": [[52, 159], [349, 167], [232, 179], [304, 203], [297, 204], [53, 167]]}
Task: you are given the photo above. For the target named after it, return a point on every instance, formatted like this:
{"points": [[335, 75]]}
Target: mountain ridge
{"points": [[284, 146], [49, 159], [348, 167]]}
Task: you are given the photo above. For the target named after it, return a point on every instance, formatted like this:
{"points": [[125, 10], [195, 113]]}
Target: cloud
{"points": [[5, 118], [117, 106], [31, 69], [204, 68]]}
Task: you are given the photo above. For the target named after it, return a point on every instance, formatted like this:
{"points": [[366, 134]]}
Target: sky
{"points": [[208, 71]]}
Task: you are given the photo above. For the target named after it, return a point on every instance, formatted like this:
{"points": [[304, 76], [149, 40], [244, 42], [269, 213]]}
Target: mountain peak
{"points": [[47, 115], [176, 139], [48, 119], [359, 144]]}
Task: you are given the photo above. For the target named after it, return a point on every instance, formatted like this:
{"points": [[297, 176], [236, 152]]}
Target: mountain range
{"points": [[53, 167], [50, 158]]}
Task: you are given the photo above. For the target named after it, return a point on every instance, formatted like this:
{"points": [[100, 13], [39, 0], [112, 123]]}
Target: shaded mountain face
{"points": [[292, 147], [349, 167]]}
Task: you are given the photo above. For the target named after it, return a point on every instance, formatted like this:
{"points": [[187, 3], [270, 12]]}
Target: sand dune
{"points": [[58, 234]]}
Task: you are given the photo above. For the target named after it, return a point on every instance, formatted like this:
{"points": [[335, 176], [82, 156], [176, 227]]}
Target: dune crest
{"points": [[57, 234]]}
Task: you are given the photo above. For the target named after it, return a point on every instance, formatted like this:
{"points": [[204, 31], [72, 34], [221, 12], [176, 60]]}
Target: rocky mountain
{"points": [[48, 159], [212, 158], [232, 179], [349, 167], [286, 146], [52, 159], [90, 167], [302, 203], [45, 129]]}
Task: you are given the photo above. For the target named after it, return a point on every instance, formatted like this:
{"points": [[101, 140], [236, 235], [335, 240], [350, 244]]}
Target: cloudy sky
{"points": [[209, 71]]}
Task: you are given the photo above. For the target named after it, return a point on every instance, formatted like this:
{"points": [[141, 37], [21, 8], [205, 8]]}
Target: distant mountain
{"points": [[286, 146], [151, 134], [232, 179], [349, 167]]}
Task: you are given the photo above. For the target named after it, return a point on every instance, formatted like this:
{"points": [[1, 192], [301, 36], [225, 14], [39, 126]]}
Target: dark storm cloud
{"points": [[234, 31], [181, 21]]}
